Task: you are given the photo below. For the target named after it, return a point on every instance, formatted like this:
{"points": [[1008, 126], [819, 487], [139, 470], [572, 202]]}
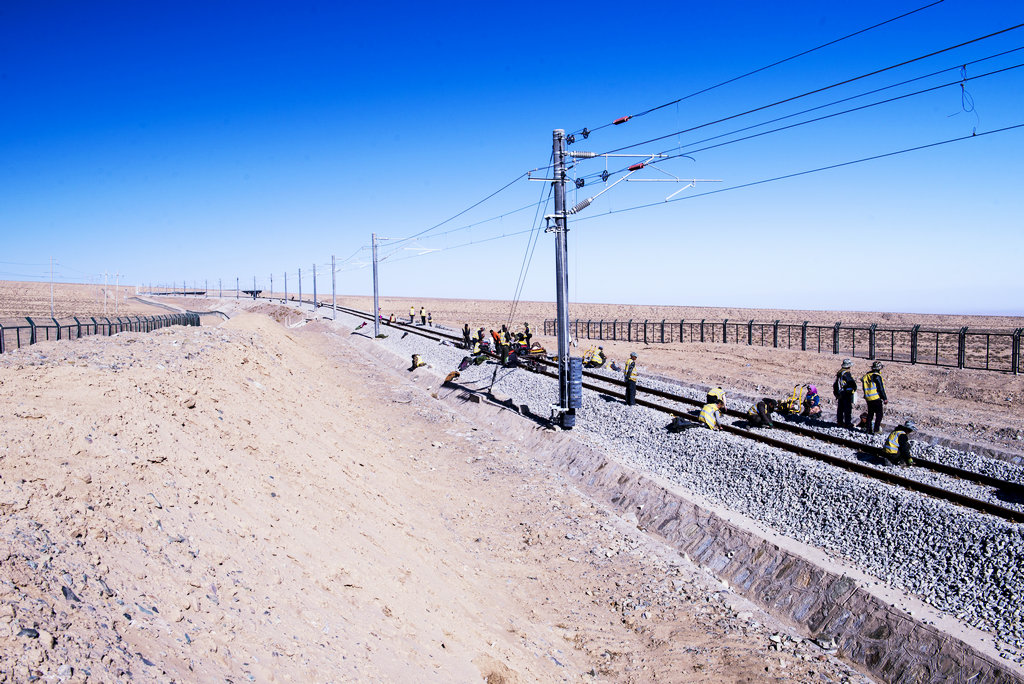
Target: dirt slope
{"points": [[247, 503]]}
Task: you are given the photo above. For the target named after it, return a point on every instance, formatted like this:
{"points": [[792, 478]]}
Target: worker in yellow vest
{"points": [[629, 375], [874, 394], [711, 415], [412, 314], [897, 444]]}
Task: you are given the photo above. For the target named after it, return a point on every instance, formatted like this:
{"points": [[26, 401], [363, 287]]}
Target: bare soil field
{"points": [[18, 299], [251, 502]]}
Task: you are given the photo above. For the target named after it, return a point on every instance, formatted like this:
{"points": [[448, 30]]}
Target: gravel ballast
{"points": [[960, 561]]}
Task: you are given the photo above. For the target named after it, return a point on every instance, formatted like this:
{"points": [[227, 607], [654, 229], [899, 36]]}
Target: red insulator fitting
{"points": [[637, 166], [622, 120]]}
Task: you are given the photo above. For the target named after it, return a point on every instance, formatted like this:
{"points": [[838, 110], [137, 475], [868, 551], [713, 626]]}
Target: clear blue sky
{"points": [[204, 141]]}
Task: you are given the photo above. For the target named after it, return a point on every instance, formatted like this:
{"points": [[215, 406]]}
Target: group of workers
{"points": [[507, 344], [805, 401], [426, 318]]}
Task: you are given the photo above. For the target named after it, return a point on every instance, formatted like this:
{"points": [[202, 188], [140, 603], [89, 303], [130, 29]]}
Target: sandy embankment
{"points": [[250, 503]]}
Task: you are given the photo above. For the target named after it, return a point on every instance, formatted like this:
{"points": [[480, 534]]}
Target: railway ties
{"points": [[788, 436]]}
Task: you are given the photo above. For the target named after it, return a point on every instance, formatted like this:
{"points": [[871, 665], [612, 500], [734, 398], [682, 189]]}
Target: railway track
{"points": [[853, 465]]}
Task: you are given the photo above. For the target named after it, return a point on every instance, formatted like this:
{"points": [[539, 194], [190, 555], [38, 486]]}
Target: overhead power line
{"points": [[830, 167], [623, 119], [815, 91]]}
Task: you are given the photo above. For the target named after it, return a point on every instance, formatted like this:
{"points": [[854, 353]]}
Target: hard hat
{"points": [[811, 389], [600, 347], [632, 355], [877, 365], [847, 363], [909, 425]]}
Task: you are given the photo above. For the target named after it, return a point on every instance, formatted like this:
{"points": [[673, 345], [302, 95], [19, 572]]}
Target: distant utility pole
{"points": [[376, 304], [300, 289], [315, 304], [220, 289], [105, 274], [334, 299], [286, 286], [254, 287], [236, 287], [271, 286]]}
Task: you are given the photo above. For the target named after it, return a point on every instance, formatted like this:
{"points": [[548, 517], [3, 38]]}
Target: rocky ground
{"points": [[254, 502]]}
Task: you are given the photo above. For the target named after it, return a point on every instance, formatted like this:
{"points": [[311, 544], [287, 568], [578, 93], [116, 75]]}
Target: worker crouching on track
{"points": [[715, 395], [711, 415], [629, 375], [760, 414], [844, 387], [812, 403], [874, 395], [897, 444]]}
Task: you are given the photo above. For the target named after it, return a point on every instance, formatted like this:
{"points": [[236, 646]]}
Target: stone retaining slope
{"points": [[879, 638]]}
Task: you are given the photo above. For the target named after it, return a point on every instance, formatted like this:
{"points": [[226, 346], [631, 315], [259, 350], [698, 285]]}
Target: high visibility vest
{"points": [[503, 337], [597, 358], [753, 410], [717, 393], [870, 386], [423, 312], [630, 370], [476, 346], [709, 415], [892, 442], [412, 311]]}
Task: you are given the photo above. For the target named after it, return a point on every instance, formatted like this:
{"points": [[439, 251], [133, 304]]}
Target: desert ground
{"points": [[258, 502]]}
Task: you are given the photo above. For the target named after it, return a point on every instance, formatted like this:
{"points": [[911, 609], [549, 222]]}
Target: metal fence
{"points": [[981, 349], [15, 334]]}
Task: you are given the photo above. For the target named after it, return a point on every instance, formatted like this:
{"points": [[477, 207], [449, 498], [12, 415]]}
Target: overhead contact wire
{"points": [[760, 69]]}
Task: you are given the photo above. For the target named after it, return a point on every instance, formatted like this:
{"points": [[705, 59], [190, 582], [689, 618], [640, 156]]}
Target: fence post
{"points": [[663, 331], [913, 343], [835, 337], [79, 324], [702, 330], [600, 331], [775, 333], [2, 344], [803, 336], [750, 332], [681, 322], [32, 325], [645, 331], [961, 347], [588, 329], [58, 327], [1014, 354], [871, 340], [724, 337], [629, 331]]}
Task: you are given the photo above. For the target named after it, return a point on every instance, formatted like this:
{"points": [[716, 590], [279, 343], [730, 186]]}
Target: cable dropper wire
{"points": [[815, 91], [764, 68], [690, 150]]}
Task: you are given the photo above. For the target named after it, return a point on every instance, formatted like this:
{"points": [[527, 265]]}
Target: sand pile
{"points": [[248, 503]]}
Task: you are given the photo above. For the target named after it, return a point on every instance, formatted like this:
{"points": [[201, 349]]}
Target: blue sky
{"points": [[206, 141]]}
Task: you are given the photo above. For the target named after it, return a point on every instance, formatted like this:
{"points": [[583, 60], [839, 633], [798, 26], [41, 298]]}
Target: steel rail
{"points": [[853, 466]]}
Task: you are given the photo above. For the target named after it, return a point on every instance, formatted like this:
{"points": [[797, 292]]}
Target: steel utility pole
{"points": [[300, 289], [314, 289], [236, 287], [334, 297], [271, 296], [220, 288], [376, 300], [285, 300], [254, 287], [567, 404]]}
